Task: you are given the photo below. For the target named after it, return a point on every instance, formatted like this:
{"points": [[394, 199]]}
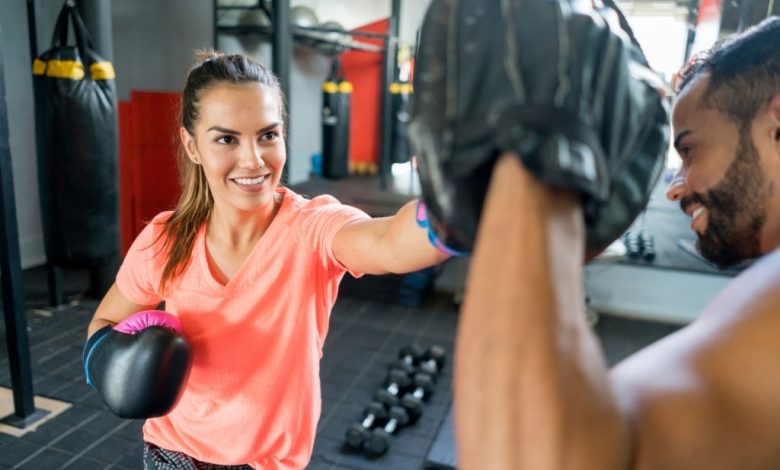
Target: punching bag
{"points": [[400, 149], [336, 94], [75, 112]]}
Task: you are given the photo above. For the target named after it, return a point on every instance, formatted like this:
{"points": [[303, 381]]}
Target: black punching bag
{"points": [[401, 93], [336, 94], [75, 111]]}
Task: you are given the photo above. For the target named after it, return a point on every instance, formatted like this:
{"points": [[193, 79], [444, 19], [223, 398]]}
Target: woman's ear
{"points": [[188, 141]]}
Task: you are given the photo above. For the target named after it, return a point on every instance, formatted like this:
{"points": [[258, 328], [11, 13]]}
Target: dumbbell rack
{"points": [[400, 403]]}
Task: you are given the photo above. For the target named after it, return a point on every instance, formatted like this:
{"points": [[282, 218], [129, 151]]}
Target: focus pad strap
{"points": [[567, 154]]}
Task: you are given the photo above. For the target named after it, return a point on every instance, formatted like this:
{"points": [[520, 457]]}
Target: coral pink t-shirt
{"points": [[253, 396]]}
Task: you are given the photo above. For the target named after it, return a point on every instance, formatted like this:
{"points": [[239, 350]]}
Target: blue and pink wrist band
{"points": [[421, 215]]}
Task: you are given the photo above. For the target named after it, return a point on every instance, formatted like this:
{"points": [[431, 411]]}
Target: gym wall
{"points": [[309, 69], [19, 96], [153, 42]]}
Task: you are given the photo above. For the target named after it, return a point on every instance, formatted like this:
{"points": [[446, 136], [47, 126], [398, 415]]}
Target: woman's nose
{"points": [[253, 157]]}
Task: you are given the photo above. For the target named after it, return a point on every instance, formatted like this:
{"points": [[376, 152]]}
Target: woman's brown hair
{"points": [[195, 203]]}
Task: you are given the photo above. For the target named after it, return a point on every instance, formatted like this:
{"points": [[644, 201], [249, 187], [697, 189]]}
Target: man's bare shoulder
{"points": [[714, 382], [747, 309], [754, 292]]}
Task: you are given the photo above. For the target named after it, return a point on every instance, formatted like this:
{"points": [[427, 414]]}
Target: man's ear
{"points": [[774, 114], [188, 141]]}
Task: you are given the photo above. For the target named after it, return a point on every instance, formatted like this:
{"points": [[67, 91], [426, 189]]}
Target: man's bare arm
{"points": [[532, 390], [531, 385]]}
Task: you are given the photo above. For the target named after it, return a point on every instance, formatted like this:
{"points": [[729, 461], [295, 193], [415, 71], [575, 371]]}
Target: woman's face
{"points": [[238, 140]]}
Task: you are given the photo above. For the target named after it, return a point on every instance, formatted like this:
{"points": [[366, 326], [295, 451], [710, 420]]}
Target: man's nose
{"points": [[676, 189]]}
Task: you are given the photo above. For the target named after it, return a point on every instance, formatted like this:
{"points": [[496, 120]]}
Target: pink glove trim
{"points": [[142, 320]]}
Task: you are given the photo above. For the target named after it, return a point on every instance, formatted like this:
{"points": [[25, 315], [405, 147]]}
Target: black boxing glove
{"points": [[565, 88], [139, 366]]}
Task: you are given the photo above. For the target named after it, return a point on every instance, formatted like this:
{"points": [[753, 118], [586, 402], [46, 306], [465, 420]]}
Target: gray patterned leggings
{"points": [[157, 458]]}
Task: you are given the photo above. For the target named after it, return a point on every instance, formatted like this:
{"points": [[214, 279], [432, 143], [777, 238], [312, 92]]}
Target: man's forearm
{"points": [[530, 384]]}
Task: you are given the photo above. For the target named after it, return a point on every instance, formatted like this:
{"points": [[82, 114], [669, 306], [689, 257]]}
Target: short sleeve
{"points": [[139, 276], [324, 217]]}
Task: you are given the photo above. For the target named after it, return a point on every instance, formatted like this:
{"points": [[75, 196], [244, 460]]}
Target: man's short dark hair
{"points": [[744, 72]]}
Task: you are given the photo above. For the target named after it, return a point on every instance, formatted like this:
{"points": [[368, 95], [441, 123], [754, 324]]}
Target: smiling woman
{"points": [[232, 128], [238, 143], [249, 272]]}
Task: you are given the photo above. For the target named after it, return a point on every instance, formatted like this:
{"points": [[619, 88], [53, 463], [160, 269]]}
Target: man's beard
{"points": [[736, 209]]}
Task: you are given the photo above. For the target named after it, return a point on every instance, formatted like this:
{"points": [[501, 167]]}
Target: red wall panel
{"points": [[364, 70], [148, 139]]}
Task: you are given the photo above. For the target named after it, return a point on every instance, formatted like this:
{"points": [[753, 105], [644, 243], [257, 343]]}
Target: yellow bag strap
{"points": [[73, 70], [340, 87], [345, 87], [401, 88], [330, 87], [102, 71]]}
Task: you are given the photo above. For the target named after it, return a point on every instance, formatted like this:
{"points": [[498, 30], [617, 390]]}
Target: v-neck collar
{"points": [[236, 279]]}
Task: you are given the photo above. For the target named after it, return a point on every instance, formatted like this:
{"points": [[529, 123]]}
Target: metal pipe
{"points": [[690, 23], [97, 17], [391, 46], [745, 15], [32, 29], [53, 273], [362, 34], [14, 310], [282, 51]]}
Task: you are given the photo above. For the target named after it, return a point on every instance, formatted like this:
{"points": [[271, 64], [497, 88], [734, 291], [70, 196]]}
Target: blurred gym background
{"points": [[346, 68]]}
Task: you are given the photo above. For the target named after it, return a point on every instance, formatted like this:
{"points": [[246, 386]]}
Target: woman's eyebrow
{"points": [[268, 128], [223, 130]]}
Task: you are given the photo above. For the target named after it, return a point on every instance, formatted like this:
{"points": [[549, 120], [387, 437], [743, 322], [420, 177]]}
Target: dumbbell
{"points": [[408, 356], [414, 401], [397, 380], [380, 437], [648, 245], [357, 434], [633, 244], [432, 361]]}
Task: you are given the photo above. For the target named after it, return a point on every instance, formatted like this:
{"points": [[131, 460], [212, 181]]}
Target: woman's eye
{"points": [[226, 139], [269, 135]]}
